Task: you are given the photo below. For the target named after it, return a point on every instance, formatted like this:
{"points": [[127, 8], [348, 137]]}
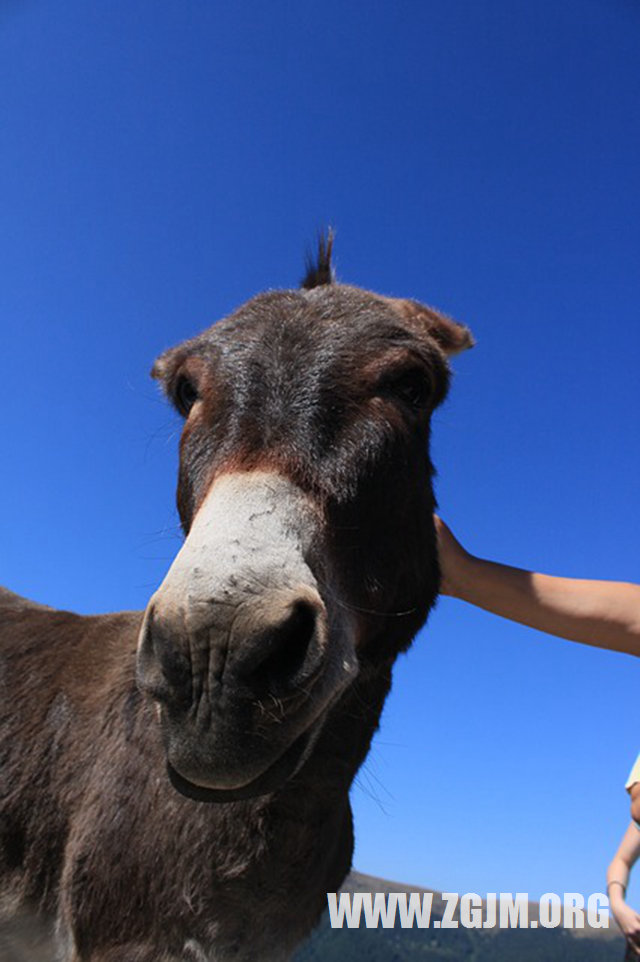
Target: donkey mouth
{"points": [[269, 781]]}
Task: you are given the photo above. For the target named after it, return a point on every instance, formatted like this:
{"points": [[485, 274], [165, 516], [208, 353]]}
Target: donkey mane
{"points": [[319, 269]]}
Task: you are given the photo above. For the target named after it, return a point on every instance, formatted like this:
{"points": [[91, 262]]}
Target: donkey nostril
{"points": [[176, 668], [163, 672], [284, 653]]}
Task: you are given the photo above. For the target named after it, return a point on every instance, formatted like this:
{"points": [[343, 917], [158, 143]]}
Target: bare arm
{"points": [[617, 882], [601, 613]]}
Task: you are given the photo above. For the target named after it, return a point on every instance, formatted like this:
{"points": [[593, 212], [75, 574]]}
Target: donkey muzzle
{"points": [[238, 646]]}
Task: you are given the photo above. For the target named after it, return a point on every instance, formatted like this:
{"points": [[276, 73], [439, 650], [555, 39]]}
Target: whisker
{"points": [[348, 606]]}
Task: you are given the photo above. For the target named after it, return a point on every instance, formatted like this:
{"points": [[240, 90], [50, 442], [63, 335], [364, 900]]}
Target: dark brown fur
{"points": [[323, 386]]}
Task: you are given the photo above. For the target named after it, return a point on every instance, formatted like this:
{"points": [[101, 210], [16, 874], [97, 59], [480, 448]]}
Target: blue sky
{"points": [[161, 162]]}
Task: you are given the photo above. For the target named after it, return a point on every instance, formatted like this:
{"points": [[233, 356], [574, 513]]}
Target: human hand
{"points": [[629, 923], [452, 557]]}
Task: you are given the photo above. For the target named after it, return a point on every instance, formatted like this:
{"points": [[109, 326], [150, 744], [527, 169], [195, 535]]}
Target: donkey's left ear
{"points": [[450, 336]]}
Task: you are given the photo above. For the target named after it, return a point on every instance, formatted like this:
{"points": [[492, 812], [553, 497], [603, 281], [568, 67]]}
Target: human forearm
{"points": [[617, 882], [602, 613]]}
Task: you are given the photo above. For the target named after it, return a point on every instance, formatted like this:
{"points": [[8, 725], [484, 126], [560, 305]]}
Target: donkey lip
{"points": [[267, 782]]}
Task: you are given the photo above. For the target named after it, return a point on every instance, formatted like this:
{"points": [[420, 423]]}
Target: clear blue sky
{"points": [[162, 160]]}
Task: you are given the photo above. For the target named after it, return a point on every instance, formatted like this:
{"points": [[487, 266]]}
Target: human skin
{"points": [[617, 881], [605, 614]]}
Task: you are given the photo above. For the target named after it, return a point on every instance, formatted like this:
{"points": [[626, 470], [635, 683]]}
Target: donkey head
{"points": [[305, 492]]}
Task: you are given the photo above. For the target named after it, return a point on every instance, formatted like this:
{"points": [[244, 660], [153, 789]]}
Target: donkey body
{"points": [[174, 783]]}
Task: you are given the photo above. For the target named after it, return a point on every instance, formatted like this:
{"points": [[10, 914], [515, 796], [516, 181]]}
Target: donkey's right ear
{"points": [[165, 367], [179, 372]]}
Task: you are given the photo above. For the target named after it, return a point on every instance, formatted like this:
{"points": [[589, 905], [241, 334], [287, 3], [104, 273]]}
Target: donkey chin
{"points": [[238, 648]]}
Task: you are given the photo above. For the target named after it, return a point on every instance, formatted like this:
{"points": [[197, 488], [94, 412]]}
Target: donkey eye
{"points": [[412, 387], [185, 395]]}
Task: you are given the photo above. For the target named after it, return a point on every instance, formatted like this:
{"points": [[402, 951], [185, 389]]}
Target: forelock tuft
{"points": [[319, 269]]}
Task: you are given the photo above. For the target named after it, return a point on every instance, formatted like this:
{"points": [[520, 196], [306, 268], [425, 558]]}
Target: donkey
{"points": [[174, 784]]}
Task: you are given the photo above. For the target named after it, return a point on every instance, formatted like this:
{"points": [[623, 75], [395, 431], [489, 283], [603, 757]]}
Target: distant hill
{"points": [[454, 945]]}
